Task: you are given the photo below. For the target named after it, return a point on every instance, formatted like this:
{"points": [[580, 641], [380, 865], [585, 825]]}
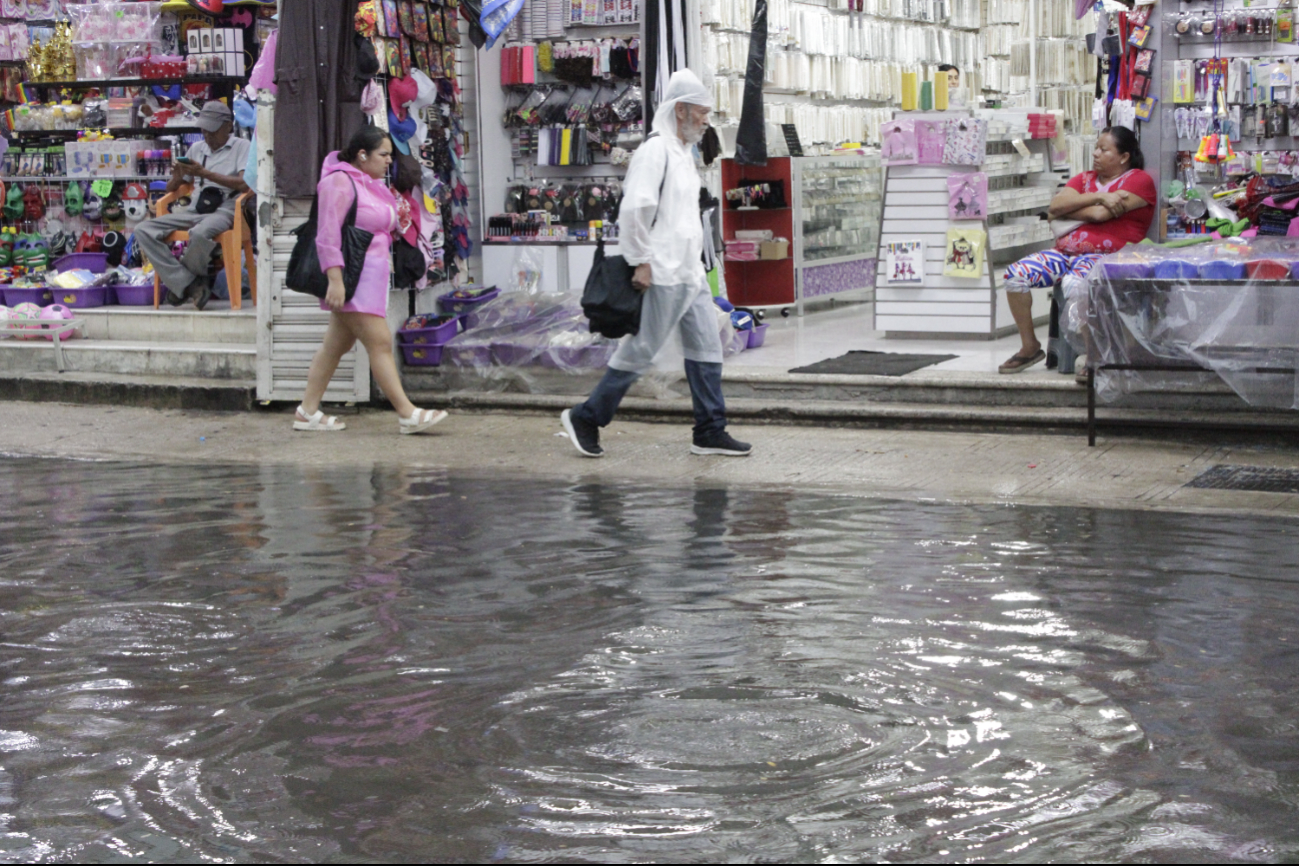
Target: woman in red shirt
{"points": [[1115, 204]]}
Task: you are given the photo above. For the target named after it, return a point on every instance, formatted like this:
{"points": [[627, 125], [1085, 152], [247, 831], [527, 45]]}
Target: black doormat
{"points": [[862, 363], [1265, 479]]}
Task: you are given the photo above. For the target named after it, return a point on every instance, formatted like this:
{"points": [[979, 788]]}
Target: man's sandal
{"points": [[1018, 363], [317, 422], [420, 420]]}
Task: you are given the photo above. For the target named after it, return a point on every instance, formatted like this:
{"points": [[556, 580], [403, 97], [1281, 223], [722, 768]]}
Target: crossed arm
{"points": [[1093, 207]]}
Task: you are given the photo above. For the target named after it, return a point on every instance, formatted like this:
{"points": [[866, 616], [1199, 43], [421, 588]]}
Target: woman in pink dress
{"points": [[356, 174]]}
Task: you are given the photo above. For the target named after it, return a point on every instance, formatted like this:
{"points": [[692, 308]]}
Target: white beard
{"points": [[693, 134]]}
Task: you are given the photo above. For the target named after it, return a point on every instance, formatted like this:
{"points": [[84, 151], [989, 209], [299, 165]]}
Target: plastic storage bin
{"points": [[133, 296], [448, 303], [1128, 270], [757, 335], [421, 356], [96, 263], [40, 296], [80, 299], [1267, 269], [435, 335], [1222, 269], [1176, 269]]}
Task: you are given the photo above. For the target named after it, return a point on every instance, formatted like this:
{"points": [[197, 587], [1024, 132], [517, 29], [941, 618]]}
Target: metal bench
{"points": [[43, 329]]}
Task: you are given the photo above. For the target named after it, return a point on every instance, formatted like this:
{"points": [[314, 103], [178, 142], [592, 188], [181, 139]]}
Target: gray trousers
{"points": [[683, 309], [177, 274]]}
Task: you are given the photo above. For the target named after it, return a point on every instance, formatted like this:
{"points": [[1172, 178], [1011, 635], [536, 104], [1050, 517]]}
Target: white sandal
{"points": [[318, 422], [420, 420]]}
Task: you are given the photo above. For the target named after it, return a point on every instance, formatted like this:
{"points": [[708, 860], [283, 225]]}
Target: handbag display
{"points": [[964, 253], [305, 274], [967, 196]]}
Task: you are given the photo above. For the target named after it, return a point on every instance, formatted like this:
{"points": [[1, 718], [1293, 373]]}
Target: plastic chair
{"points": [[238, 239]]}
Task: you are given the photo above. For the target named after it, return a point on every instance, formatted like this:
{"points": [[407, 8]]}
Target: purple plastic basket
{"points": [[757, 335], [513, 354], [422, 356], [96, 263], [42, 296], [1176, 269], [1220, 269], [449, 304], [81, 299], [474, 355], [437, 335], [1128, 270], [134, 296]]}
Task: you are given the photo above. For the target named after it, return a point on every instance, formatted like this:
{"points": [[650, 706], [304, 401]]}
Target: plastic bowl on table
{"points": [[1222, 269], [1128, 270], [96, 263], [1176, 269], [1267, 269], [40, 296]]}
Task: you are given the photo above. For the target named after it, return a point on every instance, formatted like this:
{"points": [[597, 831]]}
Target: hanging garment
{"points": [[751, 139], [318, 107]]}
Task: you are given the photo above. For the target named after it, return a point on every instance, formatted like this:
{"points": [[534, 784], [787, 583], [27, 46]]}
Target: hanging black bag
{"points": [[609, 299], [305, 274]]}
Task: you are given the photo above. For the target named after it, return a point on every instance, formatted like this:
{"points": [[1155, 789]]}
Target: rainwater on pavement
{"points": [[278, 663]]}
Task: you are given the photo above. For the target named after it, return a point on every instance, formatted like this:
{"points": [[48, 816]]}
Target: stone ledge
{"points": [[228, 395]]}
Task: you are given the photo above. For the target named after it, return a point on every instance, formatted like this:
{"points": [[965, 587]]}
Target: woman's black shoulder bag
{"points": [[609, 299], [305, 274]]}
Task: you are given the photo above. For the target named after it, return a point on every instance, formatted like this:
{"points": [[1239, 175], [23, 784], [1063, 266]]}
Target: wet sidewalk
{"points": [[1023, 469]]}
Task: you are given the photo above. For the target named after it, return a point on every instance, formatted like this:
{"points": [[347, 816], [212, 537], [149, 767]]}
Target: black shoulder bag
{"points": [[305, 274], [609, 299]]}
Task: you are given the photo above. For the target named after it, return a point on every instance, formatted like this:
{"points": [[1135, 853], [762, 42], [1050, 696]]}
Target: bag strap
{"points": [[356, 198], [662, 184]]}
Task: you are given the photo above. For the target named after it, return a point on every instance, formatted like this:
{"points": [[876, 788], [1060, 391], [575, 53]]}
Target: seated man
{"points": [[216, 167]]}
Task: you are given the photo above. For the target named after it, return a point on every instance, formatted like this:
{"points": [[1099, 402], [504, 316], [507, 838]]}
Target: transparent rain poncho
{"points": [[665, 230], [1231, 307]]}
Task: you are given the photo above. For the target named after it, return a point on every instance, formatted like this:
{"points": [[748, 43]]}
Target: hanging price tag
{"points": [[102, 188]]}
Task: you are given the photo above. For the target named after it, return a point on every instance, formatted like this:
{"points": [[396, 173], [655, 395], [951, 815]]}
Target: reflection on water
{"points": [[270, 663]]}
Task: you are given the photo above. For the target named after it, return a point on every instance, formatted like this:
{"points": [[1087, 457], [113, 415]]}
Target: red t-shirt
{"points": [[1115, 234]]}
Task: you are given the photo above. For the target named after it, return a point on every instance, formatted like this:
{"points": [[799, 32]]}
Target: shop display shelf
{"points": [[116, 132], [140, 82], [65, 178]]}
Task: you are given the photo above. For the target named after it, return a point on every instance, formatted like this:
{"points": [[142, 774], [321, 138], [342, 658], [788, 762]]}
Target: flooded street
{"points": [[287, 663]]}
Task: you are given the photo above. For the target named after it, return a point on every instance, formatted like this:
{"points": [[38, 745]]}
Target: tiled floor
{"points": [[829, 333]]}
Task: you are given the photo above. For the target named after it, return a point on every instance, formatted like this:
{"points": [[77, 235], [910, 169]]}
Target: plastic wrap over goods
{"points": [[1231, 307], [521, 329]]}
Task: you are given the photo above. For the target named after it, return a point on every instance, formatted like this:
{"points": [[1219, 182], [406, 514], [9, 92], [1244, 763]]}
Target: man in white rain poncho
{"points": [[660, 233]]}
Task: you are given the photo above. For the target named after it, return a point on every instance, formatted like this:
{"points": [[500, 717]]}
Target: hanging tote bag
{"points": [[967, 142], [305, 274], [931, 136], [964, 253], [967, 196], [898, 142], [609, 300]]}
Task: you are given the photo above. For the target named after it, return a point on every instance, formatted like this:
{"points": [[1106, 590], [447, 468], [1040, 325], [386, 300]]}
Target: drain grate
{"points": [[1265, 479]]}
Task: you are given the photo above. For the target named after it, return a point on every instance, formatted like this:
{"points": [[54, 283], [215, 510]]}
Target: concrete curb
{"points": [[140, 391]]}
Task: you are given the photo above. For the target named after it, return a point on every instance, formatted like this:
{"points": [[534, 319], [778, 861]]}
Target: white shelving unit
{"points": [[915, 208]]}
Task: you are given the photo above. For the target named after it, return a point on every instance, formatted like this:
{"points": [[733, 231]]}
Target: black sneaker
{"points": [[722, 443], [174, 299], [584, 435]]}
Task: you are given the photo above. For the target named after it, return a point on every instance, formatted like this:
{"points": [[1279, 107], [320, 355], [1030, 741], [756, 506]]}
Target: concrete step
{"points": [[167, 325], [926, 416], [118, 389], [175, 360], [777, 387]]}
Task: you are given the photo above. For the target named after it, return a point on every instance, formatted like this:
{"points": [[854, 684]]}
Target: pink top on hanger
{"points": [[263, 75]]}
